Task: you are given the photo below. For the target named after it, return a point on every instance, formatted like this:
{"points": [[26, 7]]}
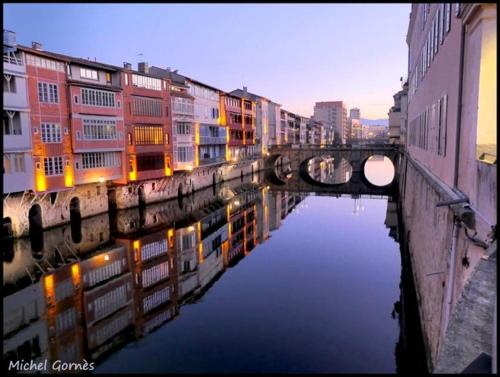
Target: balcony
{"points": [[13, 63], [205, 140], [212, 160]]}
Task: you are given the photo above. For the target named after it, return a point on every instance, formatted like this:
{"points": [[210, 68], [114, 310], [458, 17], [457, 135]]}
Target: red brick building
{"points": [[148, 125]]}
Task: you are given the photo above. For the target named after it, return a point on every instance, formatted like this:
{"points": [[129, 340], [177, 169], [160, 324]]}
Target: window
{"points": [[14, 163], [99, 129], [48, 92], [9, 83], [100, 160], [53, 165], [183, 105], [187, 241], [51, 133], [183, 128], [6, 164], [146, 82], [436, 32], [108, 78], [88, 74], [442, 125], [184, 154], [44, 63], [443, 22], [447, 11], [11, 123], [440, 24], [148, 135], [150, 162], [93, 97], [146, 106]]}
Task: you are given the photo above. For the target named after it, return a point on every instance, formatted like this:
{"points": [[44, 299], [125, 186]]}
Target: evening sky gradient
{"points": [[293, 54]]}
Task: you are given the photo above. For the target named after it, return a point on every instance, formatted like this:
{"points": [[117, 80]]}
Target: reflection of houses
{"points": [[391, 219], [153, 265], [107, 298], [24, 327], [54, 248], [87, 303], [241, 213]]}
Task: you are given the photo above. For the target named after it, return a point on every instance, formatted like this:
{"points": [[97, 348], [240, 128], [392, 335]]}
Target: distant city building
{"points": [[356, 128], [333, 114], [374, 132], [355, 113]]}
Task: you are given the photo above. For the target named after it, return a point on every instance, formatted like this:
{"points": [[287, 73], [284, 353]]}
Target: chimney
{"points": [[127, 65], [245, 91], [143, 67], [36, 45]]}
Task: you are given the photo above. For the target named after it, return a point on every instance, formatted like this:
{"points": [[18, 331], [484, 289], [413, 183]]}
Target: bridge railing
{"points": [[336, 147]]}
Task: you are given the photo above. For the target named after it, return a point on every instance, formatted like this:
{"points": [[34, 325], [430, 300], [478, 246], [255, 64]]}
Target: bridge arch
{"points": [[297, 158]]}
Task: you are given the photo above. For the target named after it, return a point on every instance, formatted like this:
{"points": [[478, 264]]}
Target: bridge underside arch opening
{"points": [[326, 170], [378, 170]]}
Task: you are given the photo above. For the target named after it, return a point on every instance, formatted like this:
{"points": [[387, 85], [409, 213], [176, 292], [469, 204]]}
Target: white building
{"points": [[17, 148], [210, 135]]}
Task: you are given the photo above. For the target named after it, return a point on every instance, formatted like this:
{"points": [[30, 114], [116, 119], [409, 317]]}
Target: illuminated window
{"points": [[486, 145], [148, 135]]}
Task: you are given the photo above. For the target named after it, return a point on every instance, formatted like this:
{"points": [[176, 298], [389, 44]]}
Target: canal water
{"points": [[233, 279]]}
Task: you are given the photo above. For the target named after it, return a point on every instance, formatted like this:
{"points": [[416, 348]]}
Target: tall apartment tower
{"points": [[355, 113], [333, 114]]}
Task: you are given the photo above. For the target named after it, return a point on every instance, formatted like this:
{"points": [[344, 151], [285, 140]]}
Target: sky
{"points": [[293, 54]]}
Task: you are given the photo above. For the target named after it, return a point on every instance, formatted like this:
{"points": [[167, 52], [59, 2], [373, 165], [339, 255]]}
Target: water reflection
{"points": [[329, 170], [89, 297]]}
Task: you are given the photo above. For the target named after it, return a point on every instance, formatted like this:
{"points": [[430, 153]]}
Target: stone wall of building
{"points": [[94, 198], [153, 191], [54, 207], [442, 256]]}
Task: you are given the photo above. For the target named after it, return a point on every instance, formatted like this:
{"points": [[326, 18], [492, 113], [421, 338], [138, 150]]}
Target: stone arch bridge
{"points": [[286, 168]]}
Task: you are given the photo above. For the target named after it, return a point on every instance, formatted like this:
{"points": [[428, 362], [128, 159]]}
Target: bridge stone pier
{"points": [[286, 168]]}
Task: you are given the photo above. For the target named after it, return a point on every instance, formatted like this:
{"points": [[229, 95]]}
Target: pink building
{"points": [[450, 189]]}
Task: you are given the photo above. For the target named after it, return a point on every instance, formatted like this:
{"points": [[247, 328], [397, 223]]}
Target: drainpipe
{"points": [[451, 274], [459, 106]]}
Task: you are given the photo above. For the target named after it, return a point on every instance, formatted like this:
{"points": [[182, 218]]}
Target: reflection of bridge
{"points": [[283, 159]]}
